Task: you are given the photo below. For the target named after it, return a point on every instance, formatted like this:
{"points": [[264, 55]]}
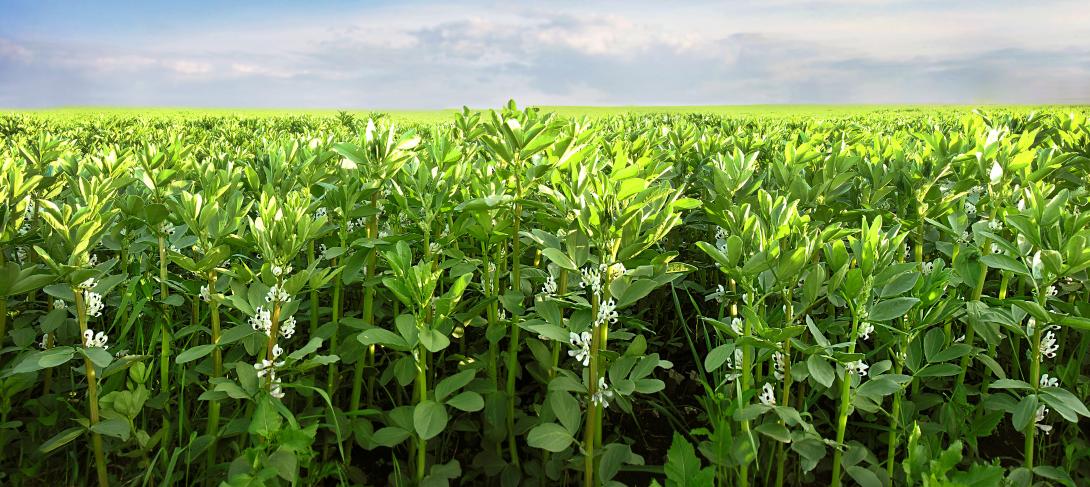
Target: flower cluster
{"points": [[778, 366], [550, 287], [1039, 416], [858, 367], [602, 396], [92, 339], [1049, 345], [278, 294], [607, 313], [718, 295], [281, 271], [736, 326], [205, 294], [580, 343], [865, 330], [1047, 381], [94, 303], [592, 279], [267, 369], [768, 395]]}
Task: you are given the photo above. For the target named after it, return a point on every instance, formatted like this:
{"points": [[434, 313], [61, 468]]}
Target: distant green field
{"points": [[431, 116]]}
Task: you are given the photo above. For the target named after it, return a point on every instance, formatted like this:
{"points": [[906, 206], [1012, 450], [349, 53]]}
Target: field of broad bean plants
{"points": [[515, 297]]}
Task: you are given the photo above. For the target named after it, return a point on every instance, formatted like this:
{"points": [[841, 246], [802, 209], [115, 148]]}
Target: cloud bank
{"points": [[439, 56]]}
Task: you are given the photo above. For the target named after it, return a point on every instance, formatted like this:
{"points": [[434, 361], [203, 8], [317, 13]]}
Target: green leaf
{"points": [[467, 401], [433, 340], [194, 353], [1005, 262], [892, 308], [717, 357], [774, 430], [820, 370], [429, 419], [1024, 413], [116, 427], [60, 439], [1064, 402], [1009, 384], [383, 337], [266, 420], [390, 436], [450, 384], [566, 409], [560, 259], [550, 437], [613, 456], [863, 477], [682, 465]]}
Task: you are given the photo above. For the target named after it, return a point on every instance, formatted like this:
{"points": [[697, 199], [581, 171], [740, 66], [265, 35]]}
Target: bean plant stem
{"points": [[781, 452], [217, 368], [513, 346], [845, 401], [592, 387], [92, 394]]}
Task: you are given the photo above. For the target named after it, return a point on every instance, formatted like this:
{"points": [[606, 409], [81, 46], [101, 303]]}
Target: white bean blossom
{"points": [[858, 367], [278, 294], [287, 328], [865, 330], [592, 279], [736, 326], [550, 287], [267, 368], [603, 395], [205, 295], [90, 283], [94, 303], [92, 339], [778, 366], [580, 343], [59, 304], [718, 295], [607, 313], [1042, 411], [280, 271], [261, 320], [768, 395], [928, 267], [1049, 345], [1047, 381]]}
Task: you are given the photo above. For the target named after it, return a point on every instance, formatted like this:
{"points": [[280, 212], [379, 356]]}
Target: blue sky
{"points": [[339, 54]]}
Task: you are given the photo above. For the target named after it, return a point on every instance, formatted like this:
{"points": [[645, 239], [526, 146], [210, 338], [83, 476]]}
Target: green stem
{"points": [[513, 346], [591, 424], [422, 389], [845, 403], [1034, 380], [781, 452], [92, 394], [331, 384], [217, 369]]}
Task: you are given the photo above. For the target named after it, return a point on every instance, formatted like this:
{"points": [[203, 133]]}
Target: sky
{"points": [[423, 55]]}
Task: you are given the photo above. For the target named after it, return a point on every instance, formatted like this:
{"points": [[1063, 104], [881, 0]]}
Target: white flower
{"points": [[720, 233], [322, 249], [970, 208], [996, 173], [278, 294], [94, 303], [267, 368], [1051, 291], [59, 304], [592, 278], [768, 395], [1021, 205], [778, 365], [865, 330], [1042, 411], [736, 326], [92, 339], [287, 328], [92, 260], [280, 271], [1037, 266], [717, 295], [1049, 346], [1031, 324], [734, 364], [858, 367], [603, 394], [205, 295], [277, 351], [1047, 381], [45, 342], [580, 343], [434, 248], [320, 213], [995, 225], [261, 320], [607, 313], [167, 228], [549, 288], [90, 283], [928, 267]]}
